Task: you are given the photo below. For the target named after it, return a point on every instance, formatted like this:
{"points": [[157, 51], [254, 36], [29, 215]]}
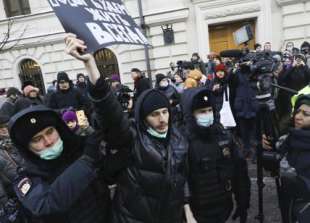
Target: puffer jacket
{"points": [[151, 189]]}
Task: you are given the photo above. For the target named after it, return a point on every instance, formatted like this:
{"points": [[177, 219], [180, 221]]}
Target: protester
{"points": [[198, 63], [178, 83], [31, 97], [141, 83], [71, 119], [8, 107], [67, 96], [10, 160], [81, 84], [294, 166], [152, 187], [193, 79], [216, 170]]}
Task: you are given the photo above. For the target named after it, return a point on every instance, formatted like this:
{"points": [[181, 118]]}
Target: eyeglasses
{"points": [[304, 112]]}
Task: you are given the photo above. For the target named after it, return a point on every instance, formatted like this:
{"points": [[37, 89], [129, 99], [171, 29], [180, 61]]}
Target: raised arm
{"points": [[109, 113]]}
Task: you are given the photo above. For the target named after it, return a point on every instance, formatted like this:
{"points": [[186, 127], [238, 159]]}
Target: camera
{"points": [[124, 97]]}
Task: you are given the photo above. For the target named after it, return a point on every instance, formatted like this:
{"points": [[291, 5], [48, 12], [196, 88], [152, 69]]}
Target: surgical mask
{"points": [[156, 134], [164, 84], [205, 120], [52, 152]]}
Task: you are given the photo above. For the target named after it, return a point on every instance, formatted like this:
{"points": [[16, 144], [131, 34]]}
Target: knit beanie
{"points": [[115, 78], [202, 100], [69, 116], [62, 76], [159, 78], [153, 101], [302, 100], [12, 91], [220, 67]]}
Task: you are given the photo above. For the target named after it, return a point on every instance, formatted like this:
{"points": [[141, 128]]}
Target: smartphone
{"points": [[82, 119]]}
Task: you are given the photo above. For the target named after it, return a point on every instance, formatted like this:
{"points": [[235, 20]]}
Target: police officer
{"points": [[216, 170], [59, 181], [294, 165]]}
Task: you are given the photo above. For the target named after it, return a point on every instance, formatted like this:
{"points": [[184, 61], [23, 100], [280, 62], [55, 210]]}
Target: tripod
{"points": [[266, 124]]}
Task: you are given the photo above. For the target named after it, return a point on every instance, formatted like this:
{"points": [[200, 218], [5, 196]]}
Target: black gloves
{"points": [[92, 150], [241, 213], [100, 89]]}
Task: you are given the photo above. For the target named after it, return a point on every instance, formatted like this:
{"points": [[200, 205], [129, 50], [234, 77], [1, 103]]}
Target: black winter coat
{"points": [[151, 189], [63, 190], [216, 169], [71, 98]]}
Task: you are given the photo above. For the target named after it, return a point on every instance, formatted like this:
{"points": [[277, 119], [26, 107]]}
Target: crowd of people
{"points": [[97, 151]]}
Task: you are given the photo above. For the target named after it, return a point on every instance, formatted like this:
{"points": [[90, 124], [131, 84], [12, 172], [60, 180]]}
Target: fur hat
{"points": [[202, 100], [30, 121]]}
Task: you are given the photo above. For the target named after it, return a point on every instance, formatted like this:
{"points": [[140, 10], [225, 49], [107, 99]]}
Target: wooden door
{"points": [[221, 36]]}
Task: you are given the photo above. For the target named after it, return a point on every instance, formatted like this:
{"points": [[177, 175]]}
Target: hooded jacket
{"points": [[215, 168], [64, 190], [151, 188]]}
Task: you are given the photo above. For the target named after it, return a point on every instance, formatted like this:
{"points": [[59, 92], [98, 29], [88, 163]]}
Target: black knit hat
{"points": [[62, 76], [153, 101], [12, 91], [302, 100], [159, 78], [80, 75], [202, 100], [27, 123]]}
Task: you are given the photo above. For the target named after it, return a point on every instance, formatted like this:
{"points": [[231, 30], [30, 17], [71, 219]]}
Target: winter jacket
{"points": [[26, 102], [245, 102], [70, 98], [63, 190], [295, 188], [142, 84], [216, 169], [8, 107], [151, 189]]}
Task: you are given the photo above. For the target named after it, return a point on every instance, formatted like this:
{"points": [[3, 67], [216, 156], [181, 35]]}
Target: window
{"points": [[16, 7]]}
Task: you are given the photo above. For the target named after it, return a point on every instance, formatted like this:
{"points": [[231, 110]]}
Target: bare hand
{"points": [[266, 142], [76, 47]]}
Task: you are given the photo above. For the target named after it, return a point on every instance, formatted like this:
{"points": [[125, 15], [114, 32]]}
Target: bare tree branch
{"points": [[6, 39]]}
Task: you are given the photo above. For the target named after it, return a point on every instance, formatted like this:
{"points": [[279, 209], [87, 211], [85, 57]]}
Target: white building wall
{"points": [[278, 21]]}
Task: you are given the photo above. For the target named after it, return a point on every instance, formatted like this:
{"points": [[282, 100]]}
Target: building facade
{"points": [[35, 47]]}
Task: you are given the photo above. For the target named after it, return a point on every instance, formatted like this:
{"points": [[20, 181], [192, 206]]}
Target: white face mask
{"points": [[163, 84], [52, 152], [156, 134], [205, 120]]}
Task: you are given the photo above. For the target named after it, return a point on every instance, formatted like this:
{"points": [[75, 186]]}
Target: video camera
{"points": [[123, 96]]}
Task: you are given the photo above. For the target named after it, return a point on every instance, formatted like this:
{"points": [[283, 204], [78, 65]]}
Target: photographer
{"points": [[295, 166]]}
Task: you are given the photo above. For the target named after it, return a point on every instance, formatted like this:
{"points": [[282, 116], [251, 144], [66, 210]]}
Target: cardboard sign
{"points": [[99, 23]]}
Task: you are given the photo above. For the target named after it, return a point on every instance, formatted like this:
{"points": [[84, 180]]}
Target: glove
{"points": [[241, 213], [92, 150]]}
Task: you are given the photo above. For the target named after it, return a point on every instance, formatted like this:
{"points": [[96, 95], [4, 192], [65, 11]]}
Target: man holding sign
{"points": [[151, 188]]}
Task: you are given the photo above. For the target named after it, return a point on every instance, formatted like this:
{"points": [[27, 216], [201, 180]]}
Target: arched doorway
{"points": [[29, 70], [106, 62]]}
